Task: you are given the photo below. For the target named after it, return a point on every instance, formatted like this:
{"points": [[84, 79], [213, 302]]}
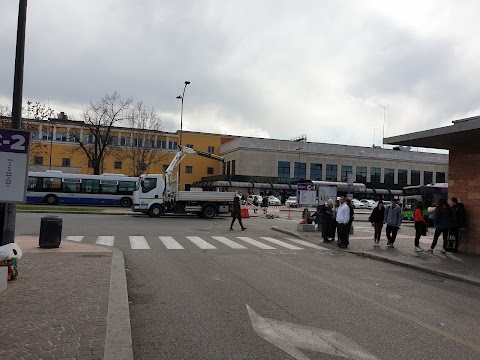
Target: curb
{"points": [[442, 273], [118, 341], [75, 212]]}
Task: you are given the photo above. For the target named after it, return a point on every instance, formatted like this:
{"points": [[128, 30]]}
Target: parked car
{"points": [[369, 204], [357, 204], [251, 197], [273, 200], [292, 201]]}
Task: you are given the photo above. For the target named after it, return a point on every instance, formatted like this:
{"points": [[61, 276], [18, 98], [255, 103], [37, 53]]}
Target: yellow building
{"points": [[55, 146]]}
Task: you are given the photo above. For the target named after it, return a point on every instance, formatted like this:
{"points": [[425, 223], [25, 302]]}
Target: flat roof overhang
{"points": [[461, 132]]}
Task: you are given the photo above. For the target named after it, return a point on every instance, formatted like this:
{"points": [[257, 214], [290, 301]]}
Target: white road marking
{"points": [[229, 242], [170, 243], [306, 243], [255, 243], [74, 238], [202, 244], [291, 338], [281, 243], [138, 243], [105, 240]]}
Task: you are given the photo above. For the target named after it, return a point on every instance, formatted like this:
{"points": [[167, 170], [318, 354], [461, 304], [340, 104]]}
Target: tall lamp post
{"points": [[181, 126], [385, 107], [181, 112]]}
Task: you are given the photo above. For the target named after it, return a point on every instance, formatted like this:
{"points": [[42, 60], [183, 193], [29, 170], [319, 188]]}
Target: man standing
{"points": [[343, 218], [458, 224], [393, 219]]}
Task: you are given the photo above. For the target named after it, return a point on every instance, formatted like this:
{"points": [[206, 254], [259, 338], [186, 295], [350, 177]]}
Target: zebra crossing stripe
{"points": [[170, 243], [74, 238], [281, 243], [228, 242], [255, 243], [138, 243], [202, 244], [105, 240], [306, 243]]}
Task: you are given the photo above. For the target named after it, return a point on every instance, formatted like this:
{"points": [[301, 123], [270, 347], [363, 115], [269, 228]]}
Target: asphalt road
{"points": [[281, 303]]}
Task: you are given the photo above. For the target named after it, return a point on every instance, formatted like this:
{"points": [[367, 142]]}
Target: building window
{"points": [[375, 175], [427, 177], [346, 169], [143, 167], [361, 176], [189, 169], [300, 171], [90, 163], [209, 170], [46, 135], [331, 172], [315, 172], [283, 171], [440, 177], [38, 160], [228, 167], [74, 137], [66, 162], [415, 174], [389, 176], [172, 145], [118, 165], [61, 136], [211, 149], [233, 167], [402, 177]]}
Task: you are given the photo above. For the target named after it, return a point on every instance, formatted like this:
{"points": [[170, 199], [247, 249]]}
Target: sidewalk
{"points": [[67, 303], [455, 266]]}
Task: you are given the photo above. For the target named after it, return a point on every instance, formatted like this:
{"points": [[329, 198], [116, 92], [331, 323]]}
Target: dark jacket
{"points": [[236, 209], [377, 215], [443, 220], [458, 215], [327, 214]]}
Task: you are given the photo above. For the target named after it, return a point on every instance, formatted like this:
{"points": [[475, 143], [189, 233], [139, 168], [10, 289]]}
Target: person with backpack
{"points": [[255, 204], [420, 225], [443, 221], [376, 218], [459, 222], [393, 219], [237, 213]]}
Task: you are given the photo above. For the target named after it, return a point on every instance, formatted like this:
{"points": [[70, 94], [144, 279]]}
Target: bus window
{"points": [[126, 187], [52, 183], [71, 185], [108, 187], [91, 186], [33, 183]]}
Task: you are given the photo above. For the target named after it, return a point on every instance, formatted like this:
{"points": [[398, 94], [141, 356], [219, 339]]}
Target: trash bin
{"points": [[50, 232]]}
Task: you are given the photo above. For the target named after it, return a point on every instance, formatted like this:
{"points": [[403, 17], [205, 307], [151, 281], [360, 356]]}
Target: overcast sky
{"points": [[264, 68]]}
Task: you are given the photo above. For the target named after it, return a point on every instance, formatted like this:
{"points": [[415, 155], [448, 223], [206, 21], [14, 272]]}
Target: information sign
{"points": [[327, 192], [14, 155], [306, 194]]}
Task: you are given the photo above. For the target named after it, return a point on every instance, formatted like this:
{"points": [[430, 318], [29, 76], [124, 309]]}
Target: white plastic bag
{"points": [[10, 251]]}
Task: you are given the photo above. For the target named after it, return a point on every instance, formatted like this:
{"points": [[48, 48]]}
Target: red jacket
{"points": [[418, 216]]}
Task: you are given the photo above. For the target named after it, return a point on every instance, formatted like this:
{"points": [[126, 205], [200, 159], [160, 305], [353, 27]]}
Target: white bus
{"points": [[53, 187]]}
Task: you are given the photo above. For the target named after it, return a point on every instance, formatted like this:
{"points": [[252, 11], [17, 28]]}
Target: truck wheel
{"points": [[51, 199], [209, 212], [155, 211], [126, 202]]}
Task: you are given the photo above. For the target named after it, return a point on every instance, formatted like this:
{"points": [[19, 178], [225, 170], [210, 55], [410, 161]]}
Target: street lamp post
{"points": [[298, 166], [181, 112], [385, 107]]}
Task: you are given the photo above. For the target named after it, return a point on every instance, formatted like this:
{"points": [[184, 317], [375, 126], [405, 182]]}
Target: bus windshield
{"points": [[429, 195]]}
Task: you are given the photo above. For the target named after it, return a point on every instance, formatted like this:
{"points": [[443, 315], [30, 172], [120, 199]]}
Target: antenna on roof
{"points": [[300, 138]]}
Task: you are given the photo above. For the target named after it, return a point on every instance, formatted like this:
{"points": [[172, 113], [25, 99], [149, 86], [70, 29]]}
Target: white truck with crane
{"points": [[158, 194]]}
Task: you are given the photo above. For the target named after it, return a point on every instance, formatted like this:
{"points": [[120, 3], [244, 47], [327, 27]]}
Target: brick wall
{"points": [[464, 184]]}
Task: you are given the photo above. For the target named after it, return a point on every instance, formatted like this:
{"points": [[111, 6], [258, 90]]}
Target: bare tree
{"points": [[5, 111], [142, 149], [99, 119]]}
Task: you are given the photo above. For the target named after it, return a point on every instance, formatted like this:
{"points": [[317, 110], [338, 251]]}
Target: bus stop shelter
{"points": [[462, 139]]}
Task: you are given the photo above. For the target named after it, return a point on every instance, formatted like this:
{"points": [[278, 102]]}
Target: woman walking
{"points": [[376, 218], [236, 213], [420, 225], [442, 222]]}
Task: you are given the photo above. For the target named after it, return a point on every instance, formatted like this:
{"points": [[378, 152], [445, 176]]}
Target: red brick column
{"points": [[464, 184]]}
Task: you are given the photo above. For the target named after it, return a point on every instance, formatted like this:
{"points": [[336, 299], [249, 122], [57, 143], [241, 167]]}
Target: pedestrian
{"points": [[334, 222], [350, 222], [376, 218], [420, 225], [265, 204], [442, 221], [343, 217], [393, 219], [317, 218], [459, 222], [255, 204], [327, 221], [236, 213]]}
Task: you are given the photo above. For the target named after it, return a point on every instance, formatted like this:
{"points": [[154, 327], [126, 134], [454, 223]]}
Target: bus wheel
{"points": [[209, 212], [126, 202], [51, 199], [155, 211]]}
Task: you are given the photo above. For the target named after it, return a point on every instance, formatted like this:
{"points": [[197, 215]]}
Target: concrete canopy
{"points": [[462, 131]]}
